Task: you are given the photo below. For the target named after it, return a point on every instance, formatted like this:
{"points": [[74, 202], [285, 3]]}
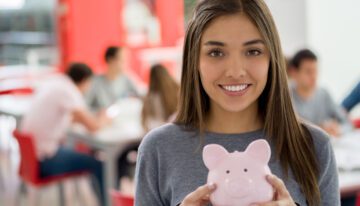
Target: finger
{"points": [[200, 193], [206, 197], [272, 203], [278, 184], [265, 204]]}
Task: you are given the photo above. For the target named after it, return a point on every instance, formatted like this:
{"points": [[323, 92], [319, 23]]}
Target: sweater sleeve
{"points": [[328, 180], [352, 99], [146, 175]]}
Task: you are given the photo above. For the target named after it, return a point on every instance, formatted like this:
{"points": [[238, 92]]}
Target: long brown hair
{"points": [[163, 85], [293, 142]]}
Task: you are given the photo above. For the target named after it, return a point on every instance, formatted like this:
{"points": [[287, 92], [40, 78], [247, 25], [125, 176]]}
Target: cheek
{"points": [[314, 75], [119, 62], [306, 77], [259, 71], [87, 87], [209, 72]]}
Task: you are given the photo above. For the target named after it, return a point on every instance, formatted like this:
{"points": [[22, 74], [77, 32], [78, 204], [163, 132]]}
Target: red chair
{"points": [[29, 165], [356, 123], [357, 203], [18, 91], [119, 199], [83, 148]]}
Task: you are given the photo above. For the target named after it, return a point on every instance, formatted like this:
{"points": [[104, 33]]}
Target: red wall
{"points": [[171, 15], [87, 27]]}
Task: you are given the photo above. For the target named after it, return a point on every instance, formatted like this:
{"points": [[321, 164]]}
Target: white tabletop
{"points": [[126, 125], [17, 105], [20, 71], [14, 105], [347, 154], [347, 151], [349, 182]]}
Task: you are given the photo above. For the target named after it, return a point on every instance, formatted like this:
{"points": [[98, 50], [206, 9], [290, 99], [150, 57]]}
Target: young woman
{"points": [[234, 91], [162, 99]]}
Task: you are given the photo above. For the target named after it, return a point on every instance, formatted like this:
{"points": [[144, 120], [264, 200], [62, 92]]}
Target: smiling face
{"points": [[234, 63]]}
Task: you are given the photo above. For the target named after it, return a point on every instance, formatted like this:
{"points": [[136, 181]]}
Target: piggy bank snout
{"points": [[239, 187]]}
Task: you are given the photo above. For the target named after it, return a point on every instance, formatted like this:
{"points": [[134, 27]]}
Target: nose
{"points": [[239, 187], [236, 67]]}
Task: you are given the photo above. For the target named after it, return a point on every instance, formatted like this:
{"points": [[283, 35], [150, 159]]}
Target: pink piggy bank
{"points": [[240, 177]]}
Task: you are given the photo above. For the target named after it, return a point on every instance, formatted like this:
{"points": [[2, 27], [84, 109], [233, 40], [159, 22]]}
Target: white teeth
{"points": [[235, 88]]}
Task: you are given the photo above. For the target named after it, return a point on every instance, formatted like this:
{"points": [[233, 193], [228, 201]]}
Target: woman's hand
{"points": [[200, 197], [281, 195]]}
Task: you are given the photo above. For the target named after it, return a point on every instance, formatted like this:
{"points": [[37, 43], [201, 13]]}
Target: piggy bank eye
{"points": [[245, 170], [227, 171]]}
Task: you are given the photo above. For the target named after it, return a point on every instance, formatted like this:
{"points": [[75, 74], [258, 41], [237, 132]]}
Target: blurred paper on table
{"points": [[347, 151], [113, 111]]}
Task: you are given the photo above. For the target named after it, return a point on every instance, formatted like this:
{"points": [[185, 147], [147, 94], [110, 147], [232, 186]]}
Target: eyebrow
{"points": [[255, 41], [218, 43], [214, 43]]}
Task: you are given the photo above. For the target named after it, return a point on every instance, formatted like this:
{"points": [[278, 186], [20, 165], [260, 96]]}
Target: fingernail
{"points": [[270, 177], [211, 186]]}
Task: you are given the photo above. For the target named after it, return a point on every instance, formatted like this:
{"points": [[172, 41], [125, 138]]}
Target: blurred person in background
{"points": [[55, 105], [161, 100], [108, 88], [159, 105], [312, 103], [289, 71]]}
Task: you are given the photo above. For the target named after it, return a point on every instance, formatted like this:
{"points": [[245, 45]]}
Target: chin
{"points": [[235, 108]]}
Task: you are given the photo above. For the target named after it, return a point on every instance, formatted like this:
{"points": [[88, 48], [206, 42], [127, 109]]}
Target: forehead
{"points": [[118, 54], [235, 28], [308, 63]]}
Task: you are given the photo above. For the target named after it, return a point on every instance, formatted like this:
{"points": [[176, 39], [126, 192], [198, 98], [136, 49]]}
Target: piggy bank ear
{"points": [[213, 154], [259, 150]]}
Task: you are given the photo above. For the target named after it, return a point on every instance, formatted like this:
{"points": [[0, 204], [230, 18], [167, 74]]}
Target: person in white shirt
{"points": [[55, 106]]}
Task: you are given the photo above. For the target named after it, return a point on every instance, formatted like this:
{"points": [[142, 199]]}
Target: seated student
{"points": [[51, 113], [113, 85], [162, 98], [352, 99], [312, 103]]}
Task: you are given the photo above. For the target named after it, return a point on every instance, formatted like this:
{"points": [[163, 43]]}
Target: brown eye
{"points": [[245, 170], [216, 53], [253, 52], [227, 171]]}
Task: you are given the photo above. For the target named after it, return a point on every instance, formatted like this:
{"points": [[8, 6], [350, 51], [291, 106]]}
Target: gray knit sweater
{"points": [[170, 165]]}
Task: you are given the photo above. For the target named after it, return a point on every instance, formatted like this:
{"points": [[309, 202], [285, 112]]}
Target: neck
{"points": [[111, 74], [79, 87], [222, 121], [304, 93]]}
